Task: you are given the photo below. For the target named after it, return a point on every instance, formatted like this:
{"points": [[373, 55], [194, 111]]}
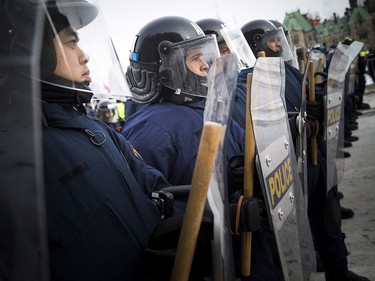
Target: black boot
{"points": [[348, 276], [340, 195], [346, 213]]}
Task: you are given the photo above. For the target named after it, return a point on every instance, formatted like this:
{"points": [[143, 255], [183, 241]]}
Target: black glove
{"points": [[244, 215], [235, 173], [315, 111]]}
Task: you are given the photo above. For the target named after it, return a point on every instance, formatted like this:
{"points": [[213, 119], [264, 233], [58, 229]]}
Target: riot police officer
{"points": [[167, 129], [108, 112], [215, 26], [97, 188], [229, 40], [324, 209], [170, 143]]}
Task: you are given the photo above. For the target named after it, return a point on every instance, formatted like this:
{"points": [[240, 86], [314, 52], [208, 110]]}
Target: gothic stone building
{"points": [[358, 22]]}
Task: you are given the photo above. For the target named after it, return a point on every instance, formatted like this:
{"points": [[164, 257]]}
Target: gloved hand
{"points": [[235, 173], [245, 215], [315, 111]]}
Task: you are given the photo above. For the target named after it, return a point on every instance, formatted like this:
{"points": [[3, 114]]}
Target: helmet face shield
{"points": [[76, 58], [276, 45], [184, 65], [237, 44]]}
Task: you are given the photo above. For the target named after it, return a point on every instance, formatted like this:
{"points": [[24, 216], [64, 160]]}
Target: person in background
{"points": [[108, 112]]}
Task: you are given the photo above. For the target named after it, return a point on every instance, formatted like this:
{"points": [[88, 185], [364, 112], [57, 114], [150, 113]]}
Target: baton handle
{"points": [[248, 179], [314, 145], [204, 165], [261, 54]]}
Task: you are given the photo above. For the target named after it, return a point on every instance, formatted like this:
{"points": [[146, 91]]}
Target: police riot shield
{"points": [[350, 78], [278, 171], [23, 242], [334, 110], [238, 45], [301, 142], [221, 86]]}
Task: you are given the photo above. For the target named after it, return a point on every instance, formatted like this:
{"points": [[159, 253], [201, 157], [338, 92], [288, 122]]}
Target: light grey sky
{"points": [[125, 18]]}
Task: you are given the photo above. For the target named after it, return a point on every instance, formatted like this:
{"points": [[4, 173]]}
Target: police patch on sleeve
{"points": [[135, 152]]}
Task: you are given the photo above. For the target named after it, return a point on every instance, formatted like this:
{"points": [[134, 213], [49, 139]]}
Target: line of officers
{"points": [[108, 159]]}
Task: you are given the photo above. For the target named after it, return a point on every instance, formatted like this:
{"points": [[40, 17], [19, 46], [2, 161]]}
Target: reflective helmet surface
{"points": [[212, 26], [230, 40], [279, 24], [158, 53], [254, 32], [108, 112], [259, 33], [104, 107]]}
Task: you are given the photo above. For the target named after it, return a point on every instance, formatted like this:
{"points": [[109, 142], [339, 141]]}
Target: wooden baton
{"points": [[204, 165]]}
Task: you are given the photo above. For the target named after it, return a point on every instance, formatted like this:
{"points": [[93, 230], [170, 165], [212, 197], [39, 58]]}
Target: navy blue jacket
{"points": [[99, 213], [167, 136], [293, 88], [239, 103]]}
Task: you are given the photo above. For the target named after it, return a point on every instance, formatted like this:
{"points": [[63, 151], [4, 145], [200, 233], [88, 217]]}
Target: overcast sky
{"points": [[125, 18]]}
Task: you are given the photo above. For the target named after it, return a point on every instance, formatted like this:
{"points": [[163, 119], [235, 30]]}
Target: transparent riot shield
{"points": [[278, 171], [350, 78], [316, 56], [23, 242], [334, 110], [221, 85], [301, 142]]}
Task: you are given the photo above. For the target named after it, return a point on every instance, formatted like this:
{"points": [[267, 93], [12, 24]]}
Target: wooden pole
{"points": [[319, 68], [207, 151], [248, 179]]}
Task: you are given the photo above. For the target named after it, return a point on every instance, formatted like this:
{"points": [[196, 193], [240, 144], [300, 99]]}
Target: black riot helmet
{"points": [[77, 23], [279, 24], [157, 60], [254, 32], [259, 33], [108, 112], [293, 49], [212, 26], [230, 40]]}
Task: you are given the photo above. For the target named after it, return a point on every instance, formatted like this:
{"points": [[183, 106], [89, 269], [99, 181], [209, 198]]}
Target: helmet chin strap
{"points": [[178, 97]]}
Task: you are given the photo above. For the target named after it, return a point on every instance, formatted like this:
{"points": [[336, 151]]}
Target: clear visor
{"points": [[277, 40], [237, 44], [85, 56], [184, 65]]}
